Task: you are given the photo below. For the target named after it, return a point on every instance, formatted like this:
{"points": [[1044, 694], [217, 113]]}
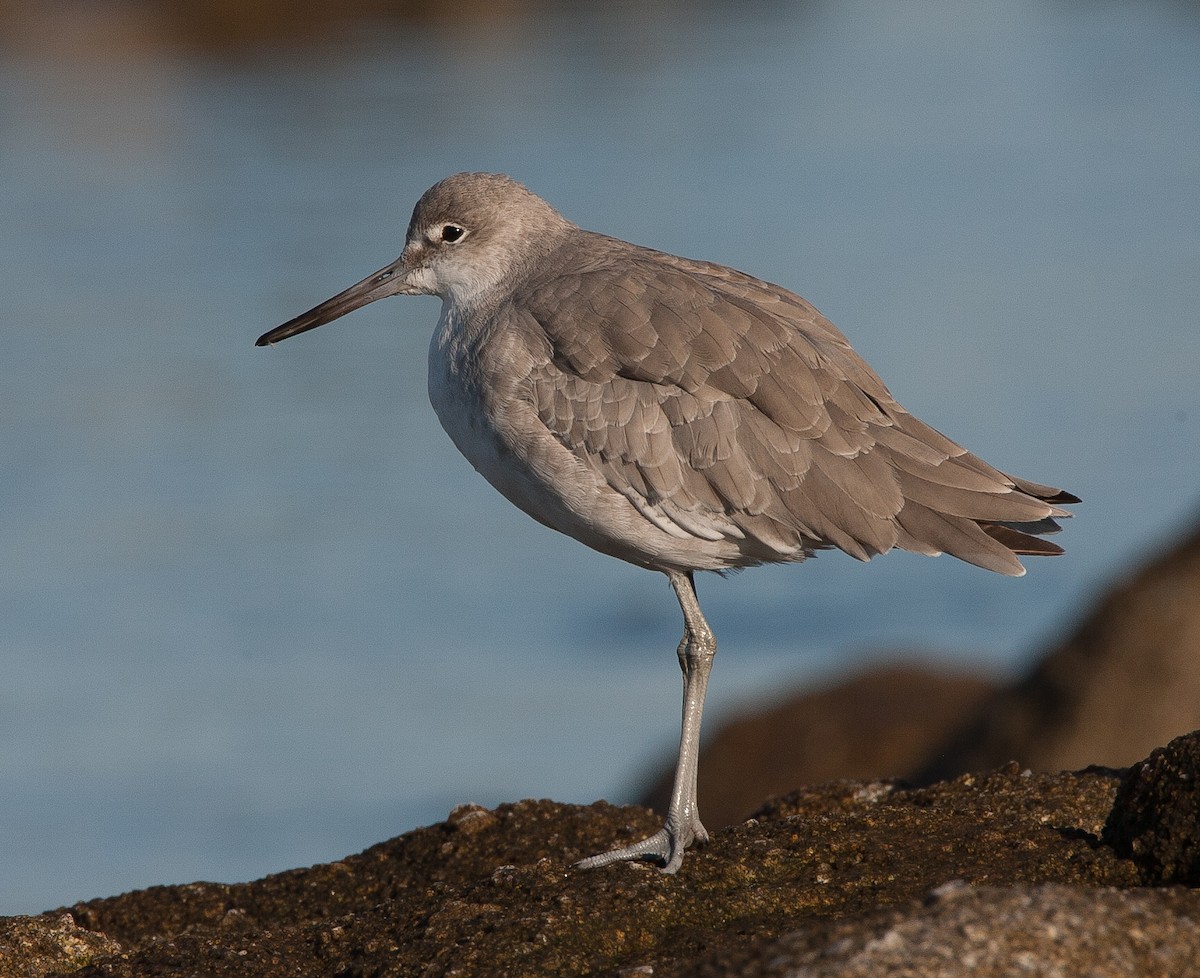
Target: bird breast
{"points": [[475, 373], [478, 377]]}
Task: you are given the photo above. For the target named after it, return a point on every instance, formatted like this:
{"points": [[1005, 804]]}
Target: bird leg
{"points": [[682, 827]]}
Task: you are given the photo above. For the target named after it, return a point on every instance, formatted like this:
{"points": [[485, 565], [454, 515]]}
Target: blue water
{"points": [[255, 612]]}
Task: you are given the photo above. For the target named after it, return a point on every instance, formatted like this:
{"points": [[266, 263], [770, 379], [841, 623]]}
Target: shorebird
{"points": [[677, 414]]}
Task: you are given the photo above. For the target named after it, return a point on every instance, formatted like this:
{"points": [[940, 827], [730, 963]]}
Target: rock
{"points": [[1124, 682], [35, 947], [963, 931], [867, 875], [881, 723], [1156, 816]]}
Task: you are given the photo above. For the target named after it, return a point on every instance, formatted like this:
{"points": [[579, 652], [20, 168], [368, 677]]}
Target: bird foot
{"points": [[665, 847]]}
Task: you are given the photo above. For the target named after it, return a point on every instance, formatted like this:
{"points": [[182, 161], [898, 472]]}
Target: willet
{"points": [[676, 414]]}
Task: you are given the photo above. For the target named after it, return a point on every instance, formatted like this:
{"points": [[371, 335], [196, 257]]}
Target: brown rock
{"points": [[1124, 682], [834, 875], [35, 947], [963, 931], [1156, 815]]}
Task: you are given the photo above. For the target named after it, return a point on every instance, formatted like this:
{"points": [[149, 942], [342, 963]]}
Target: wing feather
{"points": [[728, 409]]}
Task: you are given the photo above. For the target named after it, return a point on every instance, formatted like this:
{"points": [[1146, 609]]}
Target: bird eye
{"points": [[452, 232]]}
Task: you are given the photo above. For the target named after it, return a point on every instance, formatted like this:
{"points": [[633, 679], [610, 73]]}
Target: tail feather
{"points": [[1047, 494], [1025, 538], [994, 544], [1025, 544]]}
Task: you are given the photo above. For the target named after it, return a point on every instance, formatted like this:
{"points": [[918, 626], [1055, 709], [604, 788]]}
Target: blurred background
{"points": [[256, 612]]}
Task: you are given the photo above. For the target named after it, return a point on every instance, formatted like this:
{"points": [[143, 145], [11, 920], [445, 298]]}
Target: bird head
{"points": [[469, 235]]}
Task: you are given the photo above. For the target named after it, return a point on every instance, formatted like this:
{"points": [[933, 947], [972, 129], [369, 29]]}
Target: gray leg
{"points": [[682, 828]]}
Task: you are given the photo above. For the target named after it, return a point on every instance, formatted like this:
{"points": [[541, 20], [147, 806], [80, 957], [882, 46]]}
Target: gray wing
{"points": [[727, 408]]}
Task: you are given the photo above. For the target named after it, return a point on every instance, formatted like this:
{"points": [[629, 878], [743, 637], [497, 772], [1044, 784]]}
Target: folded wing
{"points": [[726, 408]]}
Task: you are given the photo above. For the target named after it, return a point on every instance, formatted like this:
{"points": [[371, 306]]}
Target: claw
{"points": [[666, 847]]}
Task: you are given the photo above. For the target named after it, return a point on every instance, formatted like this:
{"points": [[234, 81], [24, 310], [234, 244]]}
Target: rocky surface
{"points": [[994, 932], [1011, 872], [1156, 815]]}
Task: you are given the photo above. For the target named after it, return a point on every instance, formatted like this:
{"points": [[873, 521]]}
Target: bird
{"points": [[679, 415]]}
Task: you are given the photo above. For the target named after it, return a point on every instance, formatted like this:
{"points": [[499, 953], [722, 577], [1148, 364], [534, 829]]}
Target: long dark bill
{"points": [[383, 283]]}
